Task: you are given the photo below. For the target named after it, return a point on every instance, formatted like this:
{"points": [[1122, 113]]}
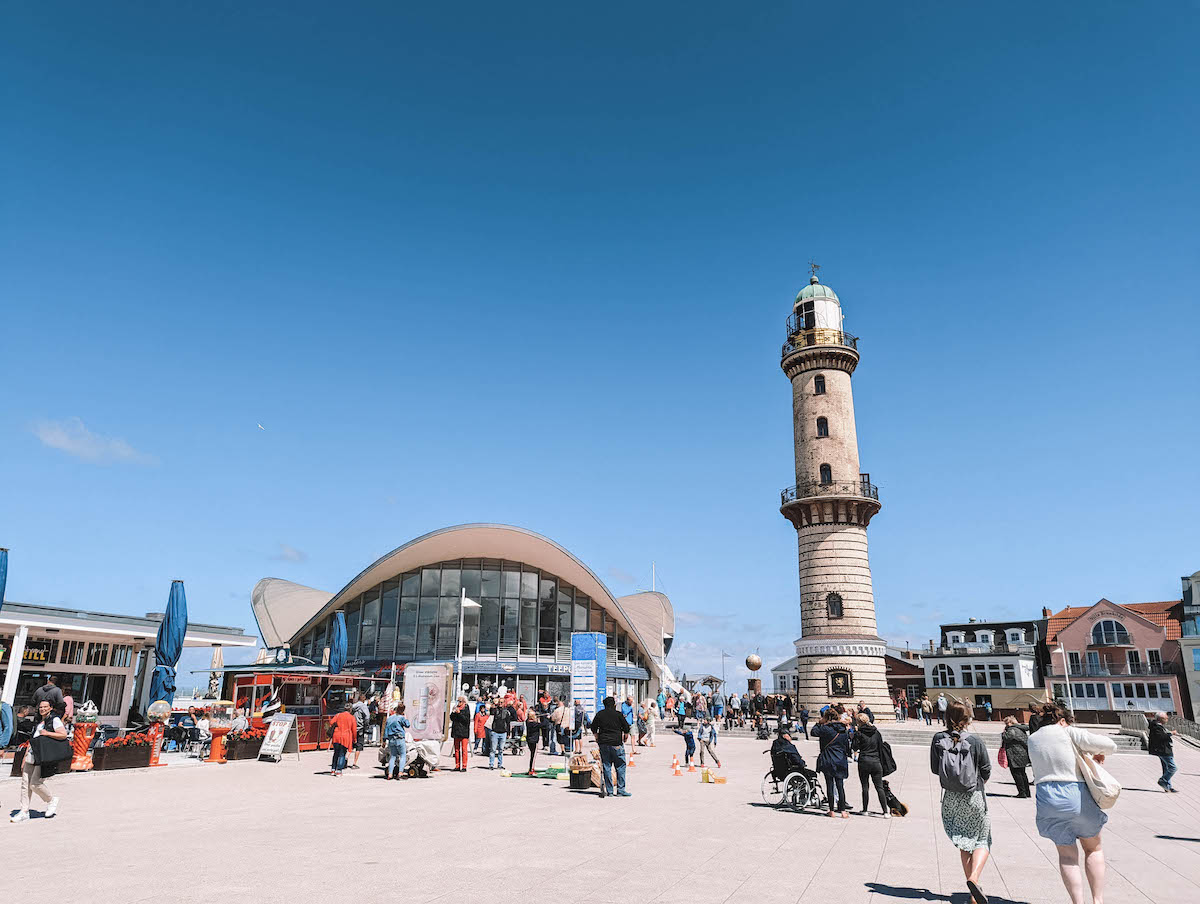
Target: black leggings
{"points": [[836, 783], [874, 772]]}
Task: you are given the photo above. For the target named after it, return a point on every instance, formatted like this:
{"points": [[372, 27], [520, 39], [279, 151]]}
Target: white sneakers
{"points": [[20, 817], [52, 807]]}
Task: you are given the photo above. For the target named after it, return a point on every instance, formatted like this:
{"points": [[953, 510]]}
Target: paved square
{"points": [[287, 832]]}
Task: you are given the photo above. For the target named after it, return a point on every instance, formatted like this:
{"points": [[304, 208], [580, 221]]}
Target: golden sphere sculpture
{"points": [[754, 662]]}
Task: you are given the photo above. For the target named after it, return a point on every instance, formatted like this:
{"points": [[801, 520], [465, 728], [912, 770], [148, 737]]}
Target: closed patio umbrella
{"points": [[169, 645], [337, 646], [3, 573]]}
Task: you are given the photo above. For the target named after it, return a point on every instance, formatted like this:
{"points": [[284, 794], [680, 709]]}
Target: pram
{"points": [[791, 783], [423, 757]]}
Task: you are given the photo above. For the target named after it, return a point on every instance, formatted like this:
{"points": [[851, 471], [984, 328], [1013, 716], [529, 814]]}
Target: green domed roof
{"points": [[815, 290]]}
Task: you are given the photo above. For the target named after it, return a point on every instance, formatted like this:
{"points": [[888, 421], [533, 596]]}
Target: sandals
{"points": [[977, 893]]}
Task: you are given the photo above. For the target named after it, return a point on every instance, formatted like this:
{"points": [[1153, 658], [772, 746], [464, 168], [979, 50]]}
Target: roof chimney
{"points": [[1045, 612]]}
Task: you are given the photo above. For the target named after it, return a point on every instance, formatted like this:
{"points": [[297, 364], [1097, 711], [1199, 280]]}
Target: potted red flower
{"points": [[127, 752], [244, 744]]}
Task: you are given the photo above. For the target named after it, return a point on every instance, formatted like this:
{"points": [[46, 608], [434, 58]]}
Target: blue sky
{"points": [[531, 265]]}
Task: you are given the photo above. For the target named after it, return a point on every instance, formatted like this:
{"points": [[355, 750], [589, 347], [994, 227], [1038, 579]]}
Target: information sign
{"points": [[281, 737], [589, 670]]}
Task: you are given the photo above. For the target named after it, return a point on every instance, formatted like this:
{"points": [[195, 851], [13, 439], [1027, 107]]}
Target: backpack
{"points": [[956, 763]]}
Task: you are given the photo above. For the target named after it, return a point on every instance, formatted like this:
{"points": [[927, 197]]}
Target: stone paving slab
{"points": [[191, 834]]}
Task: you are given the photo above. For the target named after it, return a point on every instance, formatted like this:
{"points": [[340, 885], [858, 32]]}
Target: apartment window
{"points": [[984, 637], [980, 675], [1093, 662], [1060, 691], [1079, 691], [1164, 691], [1154, 659], [1016, 636], [1134, 661], [97, 654], [1129, 690], [1109, 632], [943, 675], [1073, 662], [954, 638], [1117, 692], [1152, 690], [1089, 690], [822, 426], [994, 675], [967, 680], [819, 385], [826, 474], [1010, 676]]}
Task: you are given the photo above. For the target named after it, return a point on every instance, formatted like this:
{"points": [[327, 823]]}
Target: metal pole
{"points": [[462, 608]]}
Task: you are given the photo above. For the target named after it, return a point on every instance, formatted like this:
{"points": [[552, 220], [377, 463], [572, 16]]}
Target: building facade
{"points": [[1110, 658], [524, 597], [95, 656], [840, 655], [981, 662], [1189, 641], [905, 674]]}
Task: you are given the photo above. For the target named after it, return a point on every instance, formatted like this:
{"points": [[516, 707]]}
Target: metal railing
{"points": [[1119, 640], [862, 488], [1113, 670], [798, 338], [982, 649]]}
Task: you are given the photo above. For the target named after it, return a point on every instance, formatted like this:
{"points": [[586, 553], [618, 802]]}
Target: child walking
{"points": [[690, 740]]}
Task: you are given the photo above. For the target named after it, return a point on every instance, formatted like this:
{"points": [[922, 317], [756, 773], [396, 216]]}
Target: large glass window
{"points": [[406, 630], [510, 617], [370, 623], [431, 582], [447, 640], [529, 609], [427, 627], [490, 581], [411, 584], [451, 581], [471, 628], [1109, 632], [389, 612], [547, 619], [489, 624], [352, 617]]}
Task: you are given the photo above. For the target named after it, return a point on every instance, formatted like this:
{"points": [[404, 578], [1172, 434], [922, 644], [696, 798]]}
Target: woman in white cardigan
{"points": [[1066, 812]]}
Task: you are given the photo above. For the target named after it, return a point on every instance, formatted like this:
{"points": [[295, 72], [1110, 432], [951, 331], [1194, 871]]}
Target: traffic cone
{"points": [[691, 767], [675, 766], [675, 762], [632, 762]]}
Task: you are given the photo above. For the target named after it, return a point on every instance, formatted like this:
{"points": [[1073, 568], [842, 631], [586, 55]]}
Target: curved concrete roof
{"points": [[281, 608], [653, 616], [643, 621]]}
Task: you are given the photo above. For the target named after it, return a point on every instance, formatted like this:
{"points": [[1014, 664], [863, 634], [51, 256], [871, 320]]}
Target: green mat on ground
{"points": [[552, 773]]}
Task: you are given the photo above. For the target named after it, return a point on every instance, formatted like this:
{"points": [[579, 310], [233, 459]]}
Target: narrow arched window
{"points": [[833, 605], [822, 426], [819, 384], [826, 474]]}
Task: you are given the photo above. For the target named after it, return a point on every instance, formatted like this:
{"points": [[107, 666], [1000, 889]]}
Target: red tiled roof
{"points": [[1159, 613]]}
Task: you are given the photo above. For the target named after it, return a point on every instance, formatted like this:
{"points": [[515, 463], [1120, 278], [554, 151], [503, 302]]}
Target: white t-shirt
{"points": [[55, 726], [202, 725], [1052, 751]]}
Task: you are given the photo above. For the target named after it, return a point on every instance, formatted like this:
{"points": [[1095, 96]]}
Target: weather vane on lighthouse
{"points": [[813, 267]]}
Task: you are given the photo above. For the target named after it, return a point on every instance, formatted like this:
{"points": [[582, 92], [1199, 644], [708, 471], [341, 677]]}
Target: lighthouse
{"points": [[840, 654]]}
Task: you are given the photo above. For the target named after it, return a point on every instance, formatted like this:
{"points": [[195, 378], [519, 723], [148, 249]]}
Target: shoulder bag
{"points": [[1100, 784]]}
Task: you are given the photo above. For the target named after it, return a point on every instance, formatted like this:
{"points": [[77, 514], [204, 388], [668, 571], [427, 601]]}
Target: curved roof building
{"points": [[532, 595]]}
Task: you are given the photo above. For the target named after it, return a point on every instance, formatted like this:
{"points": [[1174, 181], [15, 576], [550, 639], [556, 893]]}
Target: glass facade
{"points": [[525, 614]]}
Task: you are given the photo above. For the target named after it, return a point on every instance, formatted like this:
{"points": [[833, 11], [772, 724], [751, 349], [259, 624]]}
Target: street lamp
{"points": [[1067, 675], [462, 610], [724, 656]]}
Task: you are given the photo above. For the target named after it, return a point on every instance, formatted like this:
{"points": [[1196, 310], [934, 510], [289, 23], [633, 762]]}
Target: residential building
{"points": [[1111, 657], [1189, 643], [981, 662], [905, 673]]}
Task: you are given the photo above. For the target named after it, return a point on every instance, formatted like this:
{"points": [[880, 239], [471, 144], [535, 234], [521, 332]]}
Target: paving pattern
{"points": [[290, 832]]}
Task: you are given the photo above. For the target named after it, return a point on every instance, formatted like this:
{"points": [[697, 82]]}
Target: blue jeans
{"points": [[611, 755], [496, 750], [339, 758], [1168, 768], [397, 752]]}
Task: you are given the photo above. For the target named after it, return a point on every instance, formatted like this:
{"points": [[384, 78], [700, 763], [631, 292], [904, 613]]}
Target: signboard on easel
{"points": [[281, 737]]}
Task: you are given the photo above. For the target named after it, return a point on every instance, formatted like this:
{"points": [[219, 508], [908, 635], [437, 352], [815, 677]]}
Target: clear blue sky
{"points": [[530, 264]]}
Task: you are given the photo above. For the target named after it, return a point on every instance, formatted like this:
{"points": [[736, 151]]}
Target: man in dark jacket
{"points": [[803, 717], [460, 733], [611, 729], [502, 718], [50, 692], [1163, 747]]}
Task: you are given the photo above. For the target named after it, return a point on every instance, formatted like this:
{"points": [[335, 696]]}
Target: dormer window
{"points": [[1016, 636], [955, 638], [983, 636]]}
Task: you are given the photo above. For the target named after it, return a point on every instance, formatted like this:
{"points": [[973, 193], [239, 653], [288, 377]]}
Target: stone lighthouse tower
{"points": [[840, 655]]}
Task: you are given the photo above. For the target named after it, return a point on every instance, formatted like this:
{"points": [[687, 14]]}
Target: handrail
{"points": [[862, 488], [798, 339]]}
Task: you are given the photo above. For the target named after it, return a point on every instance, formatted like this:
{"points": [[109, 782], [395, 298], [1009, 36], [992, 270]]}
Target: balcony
{"points": [[1111, 670], [984, 649], [861, 488], [798, 338]]}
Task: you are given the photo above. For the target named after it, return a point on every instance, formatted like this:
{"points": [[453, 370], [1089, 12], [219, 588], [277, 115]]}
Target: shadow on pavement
{"points": [[1178, 838], [924, 894]]}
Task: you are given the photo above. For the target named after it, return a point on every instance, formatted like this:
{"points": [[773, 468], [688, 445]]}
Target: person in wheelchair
{"points": [[785, 758]]}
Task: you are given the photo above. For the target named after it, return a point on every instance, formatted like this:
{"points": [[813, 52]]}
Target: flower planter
{"points": [[120, 757], [243, 750]]}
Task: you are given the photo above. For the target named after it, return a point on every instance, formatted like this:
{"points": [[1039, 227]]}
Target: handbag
{"points": [[886, 758], [1002, 758], [1100, 784]]}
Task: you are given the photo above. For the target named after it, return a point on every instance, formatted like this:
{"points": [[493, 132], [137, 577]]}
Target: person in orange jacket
{"points": [[342, 730]]}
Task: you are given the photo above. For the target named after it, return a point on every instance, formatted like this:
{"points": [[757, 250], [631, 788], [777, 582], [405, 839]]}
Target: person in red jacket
{"points": [[480, 728], [343, 728], [460, 732]]}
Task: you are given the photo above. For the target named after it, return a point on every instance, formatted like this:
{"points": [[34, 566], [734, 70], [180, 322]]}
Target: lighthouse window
{"points": [[819, 384], [826, 474], [822, 427], [833, 603]]}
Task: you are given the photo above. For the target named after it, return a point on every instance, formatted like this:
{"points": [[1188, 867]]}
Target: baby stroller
{"points": [[791, 783], [423, 758]]}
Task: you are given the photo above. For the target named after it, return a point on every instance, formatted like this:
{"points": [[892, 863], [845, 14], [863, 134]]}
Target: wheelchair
{"points": [[792, 784]]}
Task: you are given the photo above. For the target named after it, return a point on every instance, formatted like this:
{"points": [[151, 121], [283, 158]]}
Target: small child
{"points": [[708, 740], [690, 740]]}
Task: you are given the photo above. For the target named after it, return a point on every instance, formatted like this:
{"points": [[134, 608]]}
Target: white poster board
{"points": [[281, 737], [427, 689]]}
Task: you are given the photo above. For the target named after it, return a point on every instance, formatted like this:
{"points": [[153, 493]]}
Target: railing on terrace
{"points": [[982, 649], [1115, 670], [859, 487], [798, 338]]}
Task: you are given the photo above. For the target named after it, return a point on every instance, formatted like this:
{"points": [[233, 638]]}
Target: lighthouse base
{"points": [[843, 670]]}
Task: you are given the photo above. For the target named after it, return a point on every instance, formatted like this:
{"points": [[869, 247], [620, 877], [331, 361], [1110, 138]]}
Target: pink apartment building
{"points": [[1110, 657]]}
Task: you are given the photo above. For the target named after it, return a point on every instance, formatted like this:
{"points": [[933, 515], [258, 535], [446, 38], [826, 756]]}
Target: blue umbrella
{"points": [[3, 573], [169, 645], [6, 714], [337, 646]]}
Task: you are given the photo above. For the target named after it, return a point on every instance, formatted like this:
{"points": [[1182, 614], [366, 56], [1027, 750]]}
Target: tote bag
{"points": [[1002, 758], [1103, 787]]}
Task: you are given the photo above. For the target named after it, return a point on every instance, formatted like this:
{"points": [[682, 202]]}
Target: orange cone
{"points": [[675, 766], [674, 761], [691, 767], [632, 762]]}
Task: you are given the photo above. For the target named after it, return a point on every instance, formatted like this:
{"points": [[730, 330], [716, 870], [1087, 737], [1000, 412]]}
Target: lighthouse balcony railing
{"points": [[799, 336], [862, 488]]}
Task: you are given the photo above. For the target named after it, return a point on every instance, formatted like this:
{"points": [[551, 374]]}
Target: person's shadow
{"points": [[924, 894]]}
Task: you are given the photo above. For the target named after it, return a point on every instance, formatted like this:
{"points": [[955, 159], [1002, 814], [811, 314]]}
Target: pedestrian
{"points": [[502, 717], [1163, 747], [942, 703], [834, 761], [961, 762], [460, 732], [480, 725], [708, 740], [49, 691], [1014, 741], [863, 708], [689, 744], [718, 705], [651, 722], [343, 728], [1035, 717], [610, 729], [394, 737], [987, 707], [1067, 813], [926, 710], [533, 732], [580, 720], [868, 744], [680, 710], [362, 718], [661, 700], [34, 773], [545, 725], [803, 716]]}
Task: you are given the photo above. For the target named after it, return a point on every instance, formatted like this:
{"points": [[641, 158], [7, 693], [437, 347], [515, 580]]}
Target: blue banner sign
{"points": [[589, 670]]}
